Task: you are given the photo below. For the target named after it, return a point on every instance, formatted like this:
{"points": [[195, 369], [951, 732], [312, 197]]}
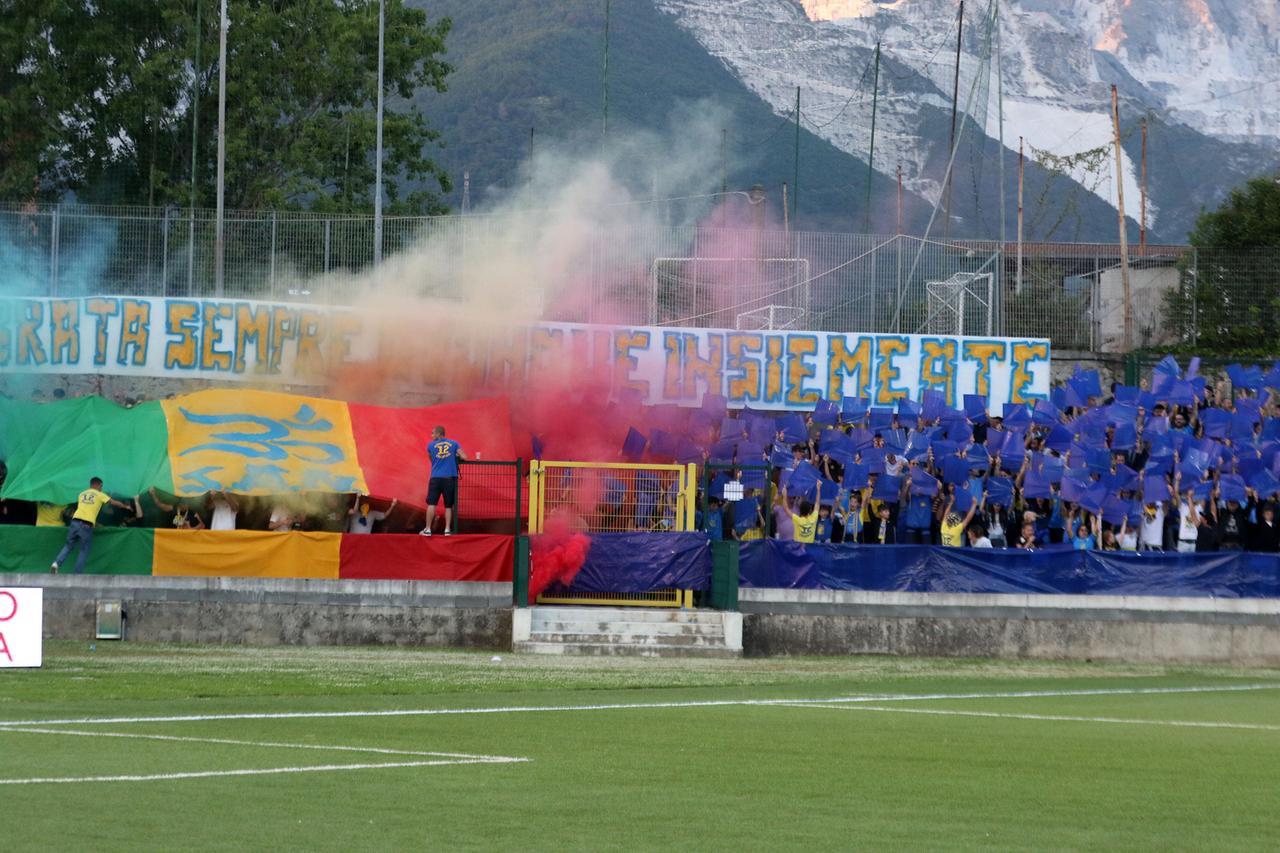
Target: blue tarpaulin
{"points": [[917, 568], [644, 562]]}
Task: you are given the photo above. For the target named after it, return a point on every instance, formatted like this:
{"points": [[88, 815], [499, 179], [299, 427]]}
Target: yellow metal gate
{"points": [[615, 497]]}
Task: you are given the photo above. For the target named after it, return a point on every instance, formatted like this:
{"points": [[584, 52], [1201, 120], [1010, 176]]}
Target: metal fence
{"points": [[490, 497], [745, 278], [603, 497]]}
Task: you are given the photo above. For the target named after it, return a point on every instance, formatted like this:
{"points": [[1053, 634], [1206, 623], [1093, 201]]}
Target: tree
{"points": [[1229, 301], [96, 99]]}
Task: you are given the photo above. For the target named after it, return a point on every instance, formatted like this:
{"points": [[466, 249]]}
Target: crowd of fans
{"points": [[1179, 463]]}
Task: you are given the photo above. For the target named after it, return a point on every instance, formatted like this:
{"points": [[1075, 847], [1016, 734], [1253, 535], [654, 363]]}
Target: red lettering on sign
{"points": [[4, 648], [13, 606]]}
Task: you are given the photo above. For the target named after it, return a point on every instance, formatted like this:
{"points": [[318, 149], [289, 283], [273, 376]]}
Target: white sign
{"points": [[21, 626], [239, 340]]}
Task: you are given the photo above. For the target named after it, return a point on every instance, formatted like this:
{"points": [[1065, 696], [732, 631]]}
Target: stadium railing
{"points": [[490, 497]]}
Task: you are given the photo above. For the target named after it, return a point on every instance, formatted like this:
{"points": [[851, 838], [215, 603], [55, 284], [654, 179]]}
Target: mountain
{"points": [[1205, 74], [1195, 70], [522, 65]]}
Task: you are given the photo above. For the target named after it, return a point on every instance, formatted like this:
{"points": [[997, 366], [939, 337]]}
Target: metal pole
{"points": [[1000, 115], [897, 313], [795, 186], [1124, 237], [272, 261], [955, 102], [1142, 225], [724, 159], [604, 76], [223, 23], [54, 229], [377, 179], [1017, 276], [899, 199], [871, 156], [195, 144], [327, 223], [164, 253], [997, 303], [786, 216]]}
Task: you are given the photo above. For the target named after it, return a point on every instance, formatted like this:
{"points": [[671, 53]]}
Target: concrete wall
{"points": [[1139, 629], [267, 611], [1110, 366], [1147, 288]]}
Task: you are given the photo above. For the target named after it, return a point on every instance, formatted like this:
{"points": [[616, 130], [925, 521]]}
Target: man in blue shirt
{"points": [[444, 454]]}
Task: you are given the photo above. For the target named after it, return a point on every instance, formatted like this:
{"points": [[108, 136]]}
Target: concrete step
{"points": [[703, 629], [632, 649], [545, 613], [673, 640]]}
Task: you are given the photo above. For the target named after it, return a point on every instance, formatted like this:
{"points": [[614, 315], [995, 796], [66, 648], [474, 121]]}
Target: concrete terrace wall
{"points": [[1138, 629], [267, 611]]}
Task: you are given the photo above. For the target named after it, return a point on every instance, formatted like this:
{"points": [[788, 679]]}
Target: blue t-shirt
{"points": [[823, 533], [919, 512], [443, 453], [713, 525]]}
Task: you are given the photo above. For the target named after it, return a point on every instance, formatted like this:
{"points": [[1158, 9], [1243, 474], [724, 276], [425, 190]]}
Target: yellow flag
{"points": [[261, 443]]}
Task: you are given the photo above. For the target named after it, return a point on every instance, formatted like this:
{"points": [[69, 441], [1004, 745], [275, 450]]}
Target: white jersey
{"points": [[224, 517], [1186, 526], [1152, 535]]}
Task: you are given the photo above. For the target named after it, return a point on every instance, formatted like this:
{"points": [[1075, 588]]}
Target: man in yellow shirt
{"points": [[50, 515], [80, 531], [806, 523]]}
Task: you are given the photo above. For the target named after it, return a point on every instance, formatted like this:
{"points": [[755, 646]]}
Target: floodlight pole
{"points": [[377, 169], [223, 23]]}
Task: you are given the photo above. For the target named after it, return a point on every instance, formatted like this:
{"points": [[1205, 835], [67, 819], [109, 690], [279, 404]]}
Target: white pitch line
{"points": [[1190, 724], [708, 703], [265, 744], [264, 771]]}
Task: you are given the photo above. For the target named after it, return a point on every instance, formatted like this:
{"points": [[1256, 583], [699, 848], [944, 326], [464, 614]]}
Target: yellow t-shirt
{"points": [[49, 515], [870, 506], [751, 533], [952, 534], [89, 504], [806, 526]]}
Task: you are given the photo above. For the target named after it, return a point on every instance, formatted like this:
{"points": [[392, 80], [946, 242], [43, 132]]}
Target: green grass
{"points": [[833, 776]]}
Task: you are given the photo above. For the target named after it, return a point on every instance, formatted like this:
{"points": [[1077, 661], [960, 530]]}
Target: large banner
{"points": [[239, 340], [244, 441]]}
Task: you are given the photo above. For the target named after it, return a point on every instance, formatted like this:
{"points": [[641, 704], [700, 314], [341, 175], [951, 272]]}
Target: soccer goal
{"points": [[743, 293]]}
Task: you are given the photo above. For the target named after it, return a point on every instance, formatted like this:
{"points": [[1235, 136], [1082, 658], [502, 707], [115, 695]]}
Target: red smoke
{"points": [[556, 555]]}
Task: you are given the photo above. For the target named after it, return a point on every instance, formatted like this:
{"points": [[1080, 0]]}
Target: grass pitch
{"points": [[160, 747]]}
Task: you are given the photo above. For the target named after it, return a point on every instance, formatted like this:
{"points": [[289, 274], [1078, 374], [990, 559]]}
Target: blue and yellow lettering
{"points": [[709, 371], [844, 362], [135, 333], [1025, 356], [100, 308], [938, 366], [182, 325], [801, 350], [983, 354], [30, 349], [888, 346], [64, 331], [212, 358], [253, 326], [742, 372]]}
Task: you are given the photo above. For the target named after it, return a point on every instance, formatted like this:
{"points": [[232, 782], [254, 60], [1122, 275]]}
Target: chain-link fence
{"points": [[741, 278]]}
